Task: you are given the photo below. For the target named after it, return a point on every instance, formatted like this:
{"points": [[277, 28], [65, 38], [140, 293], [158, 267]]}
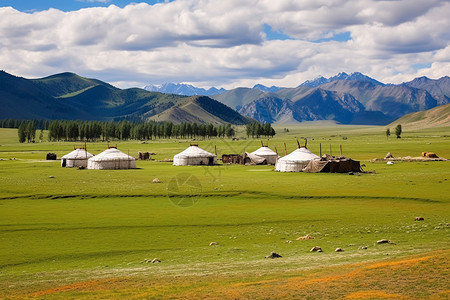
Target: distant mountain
{"points": [[439, 89], [201, 109], [354, 98], [318, 104], [69, 96], [436, 117], [341, 76], [392, 100], [264, 88], [238, 97], [183, 89]]}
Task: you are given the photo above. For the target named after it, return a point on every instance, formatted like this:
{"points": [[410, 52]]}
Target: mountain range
{"points": [[70, 97], [344, 98], [182, 89], [348, 99]]}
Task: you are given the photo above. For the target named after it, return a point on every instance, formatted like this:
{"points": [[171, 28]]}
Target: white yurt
{"points": [[77, 158], [267, 153], [194, 156], [295, 161], [111, 159]]}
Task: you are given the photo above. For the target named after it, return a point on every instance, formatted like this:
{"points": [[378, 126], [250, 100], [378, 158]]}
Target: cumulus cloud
{"points": [[222, 43]]}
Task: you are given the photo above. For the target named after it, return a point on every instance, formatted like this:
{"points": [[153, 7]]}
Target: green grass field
{"points": [[69, 233]]}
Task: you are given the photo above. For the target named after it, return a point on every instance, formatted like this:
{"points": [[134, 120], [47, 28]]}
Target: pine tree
{"points": [[398, 131], [21, 133]]}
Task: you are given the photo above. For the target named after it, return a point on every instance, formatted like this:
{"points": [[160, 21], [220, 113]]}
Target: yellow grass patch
{"points": [[373, 295], [421, 276], [399, 262]]}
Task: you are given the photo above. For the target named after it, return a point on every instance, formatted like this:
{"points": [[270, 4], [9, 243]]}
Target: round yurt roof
{"points": [[195, 151], [264, 151], [300, 154], [111, 154], [79, 153]]}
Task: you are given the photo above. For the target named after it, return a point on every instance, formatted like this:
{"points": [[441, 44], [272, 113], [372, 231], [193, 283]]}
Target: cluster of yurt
{"points": [[194, 156], [299, 160], [110, 159]]}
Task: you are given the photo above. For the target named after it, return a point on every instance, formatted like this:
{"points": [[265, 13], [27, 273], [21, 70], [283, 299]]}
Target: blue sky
{"points": [[66, 5], [225, 43]]}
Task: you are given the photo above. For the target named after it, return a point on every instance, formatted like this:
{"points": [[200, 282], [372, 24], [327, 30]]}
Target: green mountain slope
{"points": [[69, 96], [66, 84], [201, 109], [20, 98], [436, 117]]}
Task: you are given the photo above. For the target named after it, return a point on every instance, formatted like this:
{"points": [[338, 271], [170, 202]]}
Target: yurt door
{"points": [[63, 162]]}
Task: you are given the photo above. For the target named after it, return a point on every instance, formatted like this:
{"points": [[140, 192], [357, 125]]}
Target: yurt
{"points": [[111, 159], [77, 158], [267, 153], [295, 161], [332, 164], [194, 156]]}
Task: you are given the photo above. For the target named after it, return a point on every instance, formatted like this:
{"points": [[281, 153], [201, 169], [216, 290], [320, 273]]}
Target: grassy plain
{"points": [[69, 233]]}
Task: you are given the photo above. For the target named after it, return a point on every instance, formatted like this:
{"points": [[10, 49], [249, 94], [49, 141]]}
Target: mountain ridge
{"points": [[379, 103], [343, 98], [183, 89], [69, 96]]}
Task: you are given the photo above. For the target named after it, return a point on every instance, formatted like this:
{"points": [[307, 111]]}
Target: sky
{"points": [[225, 43]]}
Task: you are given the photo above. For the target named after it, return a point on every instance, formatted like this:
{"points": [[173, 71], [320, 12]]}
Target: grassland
{"points": [[69, 233]]}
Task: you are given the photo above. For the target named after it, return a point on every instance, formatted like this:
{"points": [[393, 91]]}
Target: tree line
{"points": [[125, 130], [27, 131], [68, 130], [257, 130]]}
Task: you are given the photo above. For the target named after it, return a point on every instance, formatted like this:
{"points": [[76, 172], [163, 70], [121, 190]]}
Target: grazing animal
{"points": [[212, 243], [50, 156], [432, 155], [339, 250], [418, 219], [273, 255], [306, 237], [144, 155], [316, 249], [385, 241]]}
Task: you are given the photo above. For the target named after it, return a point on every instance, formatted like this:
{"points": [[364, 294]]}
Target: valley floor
{"points": [[69, 233]]}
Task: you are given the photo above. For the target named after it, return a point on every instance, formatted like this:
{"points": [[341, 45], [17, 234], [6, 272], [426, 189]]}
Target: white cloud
{"points": [[215, 42]]}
